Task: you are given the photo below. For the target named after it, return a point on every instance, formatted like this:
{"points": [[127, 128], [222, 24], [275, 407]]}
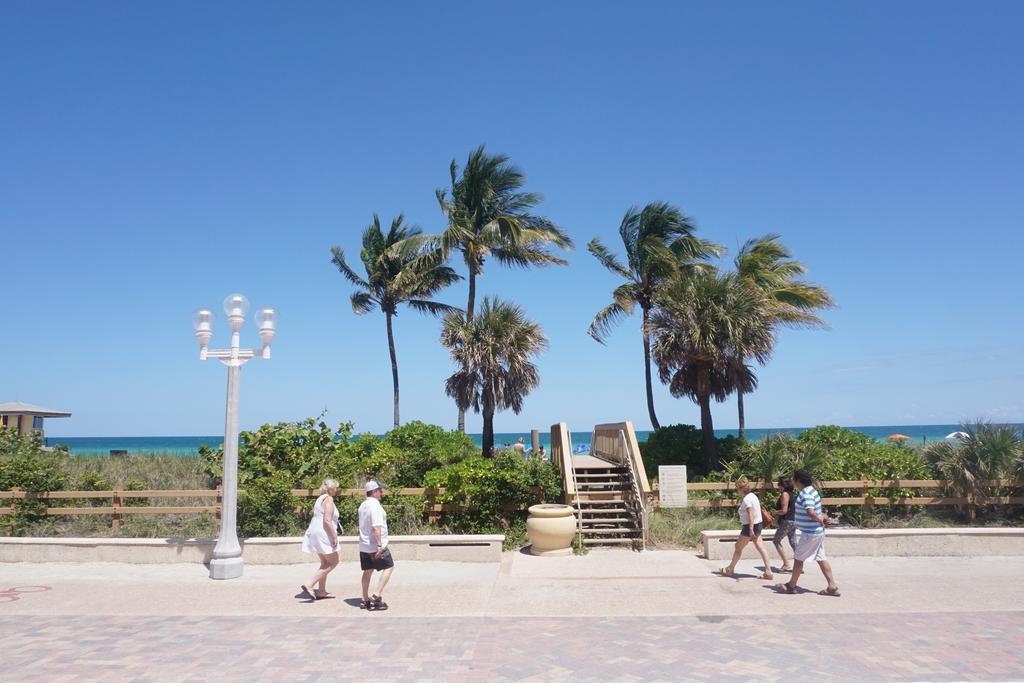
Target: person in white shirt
{"points": [[751, 520], [374, 554]]}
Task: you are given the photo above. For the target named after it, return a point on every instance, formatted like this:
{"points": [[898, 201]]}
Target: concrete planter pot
{"points": [[551, 528]]}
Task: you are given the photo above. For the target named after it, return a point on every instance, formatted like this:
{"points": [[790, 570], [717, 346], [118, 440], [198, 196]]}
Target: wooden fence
{"points": [[118, 497], [865, 499], [118, 506]]}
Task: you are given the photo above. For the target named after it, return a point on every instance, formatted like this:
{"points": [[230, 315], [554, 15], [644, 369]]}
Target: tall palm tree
{"points": [[698, 324], [489, 214], [394, 276], [660, 244], [493, 352], [766, 263]]}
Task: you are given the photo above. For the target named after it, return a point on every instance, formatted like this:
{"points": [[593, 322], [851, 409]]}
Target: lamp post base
{"points": [[226, 568]]}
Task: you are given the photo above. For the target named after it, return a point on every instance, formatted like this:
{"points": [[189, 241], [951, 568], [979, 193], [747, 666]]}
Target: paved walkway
{"points": [[611, 615]]}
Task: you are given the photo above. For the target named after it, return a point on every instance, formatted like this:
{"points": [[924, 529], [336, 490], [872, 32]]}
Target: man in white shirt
{"points": [[374, 554]]}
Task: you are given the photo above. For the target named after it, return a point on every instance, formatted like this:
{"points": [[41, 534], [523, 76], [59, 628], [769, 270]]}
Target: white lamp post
{"points": [[227, 554]]}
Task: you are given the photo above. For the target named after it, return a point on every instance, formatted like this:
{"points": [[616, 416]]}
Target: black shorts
{"points": [[367, 560], [746, 530]]}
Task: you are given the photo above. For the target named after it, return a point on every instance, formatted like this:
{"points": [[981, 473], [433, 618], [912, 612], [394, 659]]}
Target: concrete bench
{"points": [[948, 542], [285, 550]]}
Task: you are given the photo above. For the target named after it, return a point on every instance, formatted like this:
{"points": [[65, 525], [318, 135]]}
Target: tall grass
{"points": [[680, 528], [158, 470]]}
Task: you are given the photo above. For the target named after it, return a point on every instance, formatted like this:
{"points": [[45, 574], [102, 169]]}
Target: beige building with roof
{"points": [[27, 418]]}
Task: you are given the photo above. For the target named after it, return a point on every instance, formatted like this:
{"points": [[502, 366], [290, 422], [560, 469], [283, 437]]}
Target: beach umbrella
{"points": [[897, 437], [957, 435]]}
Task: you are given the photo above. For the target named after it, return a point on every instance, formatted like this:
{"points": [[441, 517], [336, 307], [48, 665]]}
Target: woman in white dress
{"points": [[322, 539]]}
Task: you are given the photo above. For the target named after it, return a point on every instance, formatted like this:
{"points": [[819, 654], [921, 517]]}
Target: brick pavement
{"points": [[605, 616], [909, 647]]}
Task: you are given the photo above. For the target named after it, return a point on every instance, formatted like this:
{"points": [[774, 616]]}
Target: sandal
{"points": [[785, 588], [323, 596], [766, 576], [833, 592], [379, 604], [725, 571], [366, 604]]}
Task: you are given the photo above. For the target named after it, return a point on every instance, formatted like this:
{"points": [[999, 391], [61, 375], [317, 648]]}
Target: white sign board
{"points": [[672, 486]]}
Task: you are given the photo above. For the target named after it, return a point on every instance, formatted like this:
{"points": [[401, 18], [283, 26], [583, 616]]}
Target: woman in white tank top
{"points": [[322, 539]]}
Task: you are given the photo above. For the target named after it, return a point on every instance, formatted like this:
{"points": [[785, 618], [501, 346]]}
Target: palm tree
{"points": [[988, 452], [489, 214], [659, 244], [394, 276], [698, 324], [766, 263], [493, 351]]}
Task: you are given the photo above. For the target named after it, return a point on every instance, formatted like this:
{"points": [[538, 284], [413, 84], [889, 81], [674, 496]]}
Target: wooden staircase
{"points": [[608, 511]]}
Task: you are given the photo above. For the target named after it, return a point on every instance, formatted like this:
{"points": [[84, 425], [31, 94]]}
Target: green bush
{"points": [[681, 445], [407, 453], [266, 507], [498, 489], [25, 464], [305, 450], [829, 453]]}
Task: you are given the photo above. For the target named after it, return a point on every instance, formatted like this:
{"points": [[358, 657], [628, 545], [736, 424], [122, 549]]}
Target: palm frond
{"points": [[605, 321], [362, 303]]}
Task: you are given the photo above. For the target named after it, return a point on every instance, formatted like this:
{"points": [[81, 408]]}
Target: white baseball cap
{"points": [[372, 486]]}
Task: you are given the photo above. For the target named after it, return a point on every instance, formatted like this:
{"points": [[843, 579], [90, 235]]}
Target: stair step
{"points": [[609, 541], [592, 475], [603, 511], [606, 520], [607, 532]]}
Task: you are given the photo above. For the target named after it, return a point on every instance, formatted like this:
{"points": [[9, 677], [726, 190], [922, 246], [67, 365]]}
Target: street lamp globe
{"points": [[266, 325], [202, 322], [236, 305]]}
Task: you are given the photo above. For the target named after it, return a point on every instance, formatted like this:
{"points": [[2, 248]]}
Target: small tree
{"points": [[494, 353], [988, 452], [700, 325]]}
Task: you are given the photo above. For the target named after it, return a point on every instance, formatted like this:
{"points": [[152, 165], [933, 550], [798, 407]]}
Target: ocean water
{"points": [[189, 445]]}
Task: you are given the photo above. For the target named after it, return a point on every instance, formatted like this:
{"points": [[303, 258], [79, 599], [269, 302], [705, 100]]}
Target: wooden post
{"points": [[535, 441], [431, 494], [217, 514], [869, 500], [115, 521]]}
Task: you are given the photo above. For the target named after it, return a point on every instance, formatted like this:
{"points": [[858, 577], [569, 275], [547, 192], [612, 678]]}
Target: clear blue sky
{"points": [[156, 156]]}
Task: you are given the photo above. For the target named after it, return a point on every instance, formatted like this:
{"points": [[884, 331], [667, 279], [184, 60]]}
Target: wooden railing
{"points": [[865, 499]]}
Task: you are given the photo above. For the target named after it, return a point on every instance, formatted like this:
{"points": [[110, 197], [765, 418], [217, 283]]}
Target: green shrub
{"points": [[498, 489], [266, 507], [681, 445], [25, 464], [306, 450], [829, 453]]}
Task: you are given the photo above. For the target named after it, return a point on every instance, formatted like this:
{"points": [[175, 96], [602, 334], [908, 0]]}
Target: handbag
{"points": [[767, 518]]}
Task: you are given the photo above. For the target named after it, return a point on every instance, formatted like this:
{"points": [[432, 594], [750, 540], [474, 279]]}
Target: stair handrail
{"points": [[638, 496], [569, 473]]}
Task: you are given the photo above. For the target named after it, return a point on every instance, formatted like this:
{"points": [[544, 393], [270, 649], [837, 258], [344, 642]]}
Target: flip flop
{"points": [[766, 577], [327, 596], [832, 592], [725, 571], [785, 588]]}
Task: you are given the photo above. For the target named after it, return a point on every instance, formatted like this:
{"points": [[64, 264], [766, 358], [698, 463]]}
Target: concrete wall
{"points": [[948, 542], [447, 548]]}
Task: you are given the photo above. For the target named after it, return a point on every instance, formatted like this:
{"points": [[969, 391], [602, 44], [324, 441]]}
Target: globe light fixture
{"points": [[227, 554]]}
